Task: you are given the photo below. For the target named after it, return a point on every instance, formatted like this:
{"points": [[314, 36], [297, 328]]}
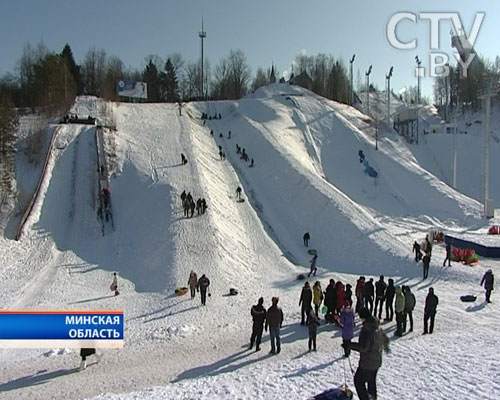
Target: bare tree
{"points": [[221, 80], [261, 79], [114, 72], [93, 71]]}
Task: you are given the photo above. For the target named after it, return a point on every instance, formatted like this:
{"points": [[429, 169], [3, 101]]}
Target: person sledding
{"points": [[106, 195]]}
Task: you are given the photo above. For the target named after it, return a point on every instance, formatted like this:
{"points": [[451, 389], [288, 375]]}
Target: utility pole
{"points": [[367, 74], [454, 166], [388, 77], [351, 62], [488, 210], [202, 34], [419, 75]]}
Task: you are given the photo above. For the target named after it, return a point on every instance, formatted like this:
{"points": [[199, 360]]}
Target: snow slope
{"points": [[307, 176]]}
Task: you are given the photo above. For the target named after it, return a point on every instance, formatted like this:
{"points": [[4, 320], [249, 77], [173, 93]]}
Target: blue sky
{"points": [[266, 31]]}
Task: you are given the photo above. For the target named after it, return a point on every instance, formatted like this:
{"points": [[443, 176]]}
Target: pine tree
{"points": [[171, 84], [67, 56], [151, 76], [8, 123]]}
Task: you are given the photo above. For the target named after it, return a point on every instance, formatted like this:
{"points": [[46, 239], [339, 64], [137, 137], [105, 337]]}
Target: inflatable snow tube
{"points": [[181, 291]]}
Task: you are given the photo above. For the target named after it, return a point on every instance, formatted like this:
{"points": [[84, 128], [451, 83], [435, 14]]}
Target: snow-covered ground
{"points": [[306, 177]]}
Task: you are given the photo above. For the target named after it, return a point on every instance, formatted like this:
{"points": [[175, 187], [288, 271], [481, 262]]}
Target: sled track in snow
{"points": [[32, 202]]}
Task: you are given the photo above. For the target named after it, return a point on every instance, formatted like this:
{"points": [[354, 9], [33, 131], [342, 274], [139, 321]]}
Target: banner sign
{"points": [[133, 89], [56, 329]]}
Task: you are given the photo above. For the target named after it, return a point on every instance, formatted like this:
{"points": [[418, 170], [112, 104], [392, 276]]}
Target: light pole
{"points": [[351, 62], [202, 34], [388, 77], [418, 72], [367, 74], [488, 213]]}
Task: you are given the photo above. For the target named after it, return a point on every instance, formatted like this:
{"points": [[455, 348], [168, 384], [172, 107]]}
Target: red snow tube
{"points": [[467, 256], [494, 230]]}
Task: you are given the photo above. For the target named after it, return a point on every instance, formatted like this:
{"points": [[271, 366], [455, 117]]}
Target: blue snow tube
{"points": [[371, 172]]}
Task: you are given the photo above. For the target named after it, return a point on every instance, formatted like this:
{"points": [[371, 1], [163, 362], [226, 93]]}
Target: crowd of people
{"points": [[189, 205]]}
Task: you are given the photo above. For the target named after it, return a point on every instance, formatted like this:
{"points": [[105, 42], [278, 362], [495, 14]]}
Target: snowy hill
{"points": [[306, 177]]}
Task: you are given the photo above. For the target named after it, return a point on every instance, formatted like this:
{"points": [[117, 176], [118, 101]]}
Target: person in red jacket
{"points": [[340, 298]]}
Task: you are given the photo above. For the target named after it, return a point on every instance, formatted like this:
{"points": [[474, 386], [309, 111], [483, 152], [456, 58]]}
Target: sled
{"points": [[468, 298], [312, 252], [301, 277], [240, 201], [181, 291]]}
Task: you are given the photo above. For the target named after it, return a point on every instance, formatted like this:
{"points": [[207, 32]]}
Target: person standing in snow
{"points": [[192, 206], [274, 319], [183, 159], [448, 255], [305, 301], [330, 301], [368, 294], [426, 262], [431, 302], [488, 282], [313, 266], [258, 313], [203, 206], [399, 306], [389, 300], [348, 294], [306, 239], [428, 246], [192, 283], [114, 285], [317, 297], [372, 341], [340, 296], [417, 251], [186, 206], [380, 287], [238, 193], [409, 306], [312, 326], [84, 353], [198, 206], [346, 322], [202, 286], [360, 289]]}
